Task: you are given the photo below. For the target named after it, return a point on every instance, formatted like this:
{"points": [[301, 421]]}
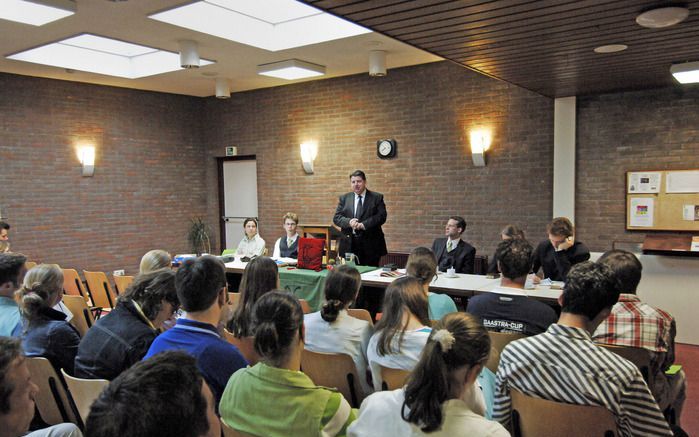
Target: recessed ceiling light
{"points": [[270, 24], [98, 54], [611, 48], [662, 17], [687, 72], [36, 13], [291, 69]]}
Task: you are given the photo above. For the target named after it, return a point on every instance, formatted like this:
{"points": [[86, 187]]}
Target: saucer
{"points": [[450, 276]]}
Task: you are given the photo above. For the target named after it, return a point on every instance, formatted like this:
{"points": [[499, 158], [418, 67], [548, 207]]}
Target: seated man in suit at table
{"points": [[507, 308], [452, 251]]}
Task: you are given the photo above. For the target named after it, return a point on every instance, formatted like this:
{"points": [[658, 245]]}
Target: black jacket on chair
{"points": [[462, 258], [369, 244]]}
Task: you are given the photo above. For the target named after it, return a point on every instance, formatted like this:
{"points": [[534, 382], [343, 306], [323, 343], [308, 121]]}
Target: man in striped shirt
{"points": [[564, 365]]}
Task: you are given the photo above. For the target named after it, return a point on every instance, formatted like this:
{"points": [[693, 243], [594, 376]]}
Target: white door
{"points": [[239, 198]]}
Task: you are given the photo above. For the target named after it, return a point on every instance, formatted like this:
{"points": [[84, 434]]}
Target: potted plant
{"points": [[199, 236]]}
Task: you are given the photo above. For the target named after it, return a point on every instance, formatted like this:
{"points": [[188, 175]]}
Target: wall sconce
{"points": [[86, 154], [480, 142], [309, 151]]}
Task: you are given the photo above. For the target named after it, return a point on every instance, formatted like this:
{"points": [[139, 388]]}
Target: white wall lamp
{"points": [[377, 63], [189, 54], [223, 88], [480, 142], [309, 151], [86, 155]]}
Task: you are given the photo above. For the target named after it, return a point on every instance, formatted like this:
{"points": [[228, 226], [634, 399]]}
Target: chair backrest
{"points": [[29, 265], [234, 299], [122, 283], [334, 370], [82, 316], [639, 356], [84, 392], [100, 290], [73, 285], [230, 432], [361, 314], [480, 264], [393, 378], [305, 306], [245, 345], [52, 401], [534, 417], [498, 341], [400, 259]]}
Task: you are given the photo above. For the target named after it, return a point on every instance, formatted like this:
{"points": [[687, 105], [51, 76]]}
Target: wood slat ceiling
{"points": [[543, 45]]}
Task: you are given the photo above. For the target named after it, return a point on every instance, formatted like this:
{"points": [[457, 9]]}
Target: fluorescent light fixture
{"points": [[267, 24], [291, 69], [686, 73], [101, 55], [37, 12]]}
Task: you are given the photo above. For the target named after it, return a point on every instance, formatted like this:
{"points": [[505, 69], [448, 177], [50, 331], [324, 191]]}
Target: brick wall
{"points": [[149, 176], [632, 131], [429, 110]]}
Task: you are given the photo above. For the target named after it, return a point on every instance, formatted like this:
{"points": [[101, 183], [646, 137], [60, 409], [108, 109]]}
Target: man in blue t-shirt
{"points": [[201, 289], [507, 308]]}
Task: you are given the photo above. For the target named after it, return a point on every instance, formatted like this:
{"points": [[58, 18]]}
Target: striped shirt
{"points": [[564, 365]]}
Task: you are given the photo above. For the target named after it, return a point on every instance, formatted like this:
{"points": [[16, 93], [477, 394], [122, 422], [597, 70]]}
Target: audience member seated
{"points": [[452, 251], [402, 332], [636, 324], [332, 330], [288, 246], [422, 265], [252, 244], [274, 398], [507, 308], [564, 365], [121, 338], [441, 397], [12, 271], [508, 232], [201, 290], [155, 260], [45, 333], [261, 276], [17, 392], [560, 252], [162, 396]]}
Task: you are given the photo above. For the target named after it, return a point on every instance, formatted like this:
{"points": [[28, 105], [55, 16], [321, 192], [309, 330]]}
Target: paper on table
{"points": [[641, 211], [648, 182]]}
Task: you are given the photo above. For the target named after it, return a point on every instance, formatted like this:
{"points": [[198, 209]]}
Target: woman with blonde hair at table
{"points": [[422, 264], [260, 276]]}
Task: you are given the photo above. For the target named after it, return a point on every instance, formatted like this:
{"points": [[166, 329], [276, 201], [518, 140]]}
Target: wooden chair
{"points": [[534, 417], [230, 432], [82, 316], [305, 306], [498, 341], [29, 265], [53, 401], [393, 378], [334, 370], [122, 283], [73, 285], [361, 314], [100, 291], [480, 264], [639, 356], [84, 392], [233, 299], [245, 345]]}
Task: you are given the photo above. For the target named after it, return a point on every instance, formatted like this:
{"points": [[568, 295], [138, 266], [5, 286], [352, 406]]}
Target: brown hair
{"points": [[277, 317], [422, 264], [560, 226], [260, 277], [341, 288], [513, 231], [403, 295]]}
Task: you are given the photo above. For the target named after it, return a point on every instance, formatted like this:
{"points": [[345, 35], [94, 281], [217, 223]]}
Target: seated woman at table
{"points": [[402, 332], [288, 246], [261, 276], [155, 260], [45, 333], [508, 233], [274, 398], [441, 397], [422, 264], [333, 330], [252, 244]]}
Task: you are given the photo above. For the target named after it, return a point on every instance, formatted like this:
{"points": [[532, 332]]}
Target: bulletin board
{"points": [[662, 200]]}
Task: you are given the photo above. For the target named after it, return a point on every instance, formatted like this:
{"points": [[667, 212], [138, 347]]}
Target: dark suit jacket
{"points": [[373, 216], [462, 258]]}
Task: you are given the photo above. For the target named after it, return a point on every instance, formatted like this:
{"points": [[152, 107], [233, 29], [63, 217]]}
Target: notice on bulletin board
{"points": [[682, 182], [641, 212], [690, 212], [644, 182]]}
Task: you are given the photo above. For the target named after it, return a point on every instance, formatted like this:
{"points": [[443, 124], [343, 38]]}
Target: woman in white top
{"points": [[252, 244], [289, 247], [440, 398], [333, 330], [402, 332]]}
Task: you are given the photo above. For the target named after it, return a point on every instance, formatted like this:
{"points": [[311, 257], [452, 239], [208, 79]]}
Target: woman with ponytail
{"points": [[333, 330], [45, 332], [422, 264], [274, 398], [441, 397]]}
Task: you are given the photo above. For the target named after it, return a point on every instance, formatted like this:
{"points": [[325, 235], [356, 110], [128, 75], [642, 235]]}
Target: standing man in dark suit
{"points": [[452, 251], [360, 215]]}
